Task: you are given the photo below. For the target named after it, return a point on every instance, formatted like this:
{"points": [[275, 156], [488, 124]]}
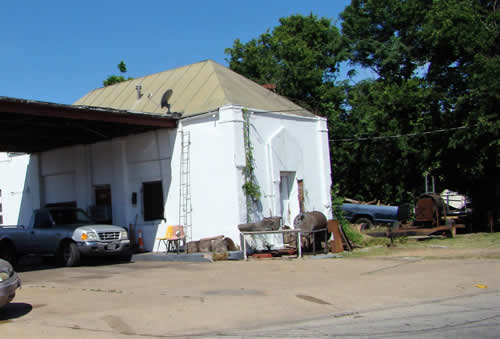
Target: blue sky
{"points": [[58, 50]]}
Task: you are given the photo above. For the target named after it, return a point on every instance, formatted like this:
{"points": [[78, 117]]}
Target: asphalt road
{"points": [[472, 316]]}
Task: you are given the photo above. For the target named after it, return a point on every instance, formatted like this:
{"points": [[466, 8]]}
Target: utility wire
{"points": [[399, 135]]}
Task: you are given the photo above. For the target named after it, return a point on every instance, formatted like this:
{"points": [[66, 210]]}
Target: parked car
{"points": [[367, 215], [9, 283], [66, 233]]}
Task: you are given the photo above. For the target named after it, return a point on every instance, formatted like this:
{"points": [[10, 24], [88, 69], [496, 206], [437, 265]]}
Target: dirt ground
{"points": [[158, 299]]}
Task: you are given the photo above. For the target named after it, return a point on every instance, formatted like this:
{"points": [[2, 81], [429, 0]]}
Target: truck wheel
{"points": [[126, 257], [69, 255], [8, 252], [366, 223]]}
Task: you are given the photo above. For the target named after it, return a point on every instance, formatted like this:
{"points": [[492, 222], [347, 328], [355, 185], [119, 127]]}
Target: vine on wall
{"points": [[250, 187]]}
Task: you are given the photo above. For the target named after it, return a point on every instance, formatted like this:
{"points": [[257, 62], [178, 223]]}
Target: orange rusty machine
{"points": [[430, 219]]}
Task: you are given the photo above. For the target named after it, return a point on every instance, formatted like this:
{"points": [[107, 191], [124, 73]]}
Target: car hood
{"points": [[101, 228]]}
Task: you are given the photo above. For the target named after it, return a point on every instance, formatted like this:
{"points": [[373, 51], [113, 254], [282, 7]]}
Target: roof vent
{"points": [[165, 98], [138, 88]]}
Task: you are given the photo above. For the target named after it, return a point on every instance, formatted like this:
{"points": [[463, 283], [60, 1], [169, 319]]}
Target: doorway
{"points": [[286, 185], [102, 212]]}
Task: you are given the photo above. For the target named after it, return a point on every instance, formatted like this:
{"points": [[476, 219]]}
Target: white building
{"points": [[140, 179]]}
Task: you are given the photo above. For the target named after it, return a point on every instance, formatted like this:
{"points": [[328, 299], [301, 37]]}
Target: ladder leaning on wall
{"points": [[185, 207]]}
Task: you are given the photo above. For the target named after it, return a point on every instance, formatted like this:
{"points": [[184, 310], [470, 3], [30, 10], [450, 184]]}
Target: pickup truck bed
{"points": [[375, 214]]}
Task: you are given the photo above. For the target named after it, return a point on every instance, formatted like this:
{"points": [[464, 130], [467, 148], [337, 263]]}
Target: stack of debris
{"points": [[265, 245], [219, 245]]}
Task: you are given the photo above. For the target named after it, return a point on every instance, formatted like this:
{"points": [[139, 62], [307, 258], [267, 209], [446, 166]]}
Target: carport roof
{"points": [[33, 126]]}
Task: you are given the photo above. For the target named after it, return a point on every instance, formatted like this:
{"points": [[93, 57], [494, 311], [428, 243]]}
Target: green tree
{"points": [[438, 67], [300, 56], [433, 109], [114, 79]]}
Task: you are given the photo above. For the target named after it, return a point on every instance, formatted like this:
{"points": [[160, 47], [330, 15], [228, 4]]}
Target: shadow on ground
{"points": [[37, 263], [14, 310]]}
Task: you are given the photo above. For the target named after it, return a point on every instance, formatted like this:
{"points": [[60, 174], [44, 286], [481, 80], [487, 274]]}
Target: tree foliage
{"points": [[300, 56], [438, 69], [432, 109], [114, 79]]}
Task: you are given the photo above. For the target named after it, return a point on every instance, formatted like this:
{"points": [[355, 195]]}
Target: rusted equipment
{"points": [[410, 231], [313, 226], [266, 224], [336, 245], [430, 211], [430, 219], [300, 184], [310, 221]]}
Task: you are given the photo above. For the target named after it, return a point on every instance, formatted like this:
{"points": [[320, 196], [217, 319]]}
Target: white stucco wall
{"points": [[282, 144], [297, 147], [20, 188]]}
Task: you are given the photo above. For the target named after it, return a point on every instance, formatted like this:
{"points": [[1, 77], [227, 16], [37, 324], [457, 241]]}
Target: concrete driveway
{"points": [[162, 299]]}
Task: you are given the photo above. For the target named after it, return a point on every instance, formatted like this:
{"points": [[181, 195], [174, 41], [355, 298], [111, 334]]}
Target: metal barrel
{"points": [[309, 221]]}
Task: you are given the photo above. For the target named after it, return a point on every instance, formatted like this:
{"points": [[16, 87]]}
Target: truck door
{"points": [[43, 235]]}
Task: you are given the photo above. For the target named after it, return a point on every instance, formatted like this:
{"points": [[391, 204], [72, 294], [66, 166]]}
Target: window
{"points": [[69, 216], [152, 200], [42, 220]]}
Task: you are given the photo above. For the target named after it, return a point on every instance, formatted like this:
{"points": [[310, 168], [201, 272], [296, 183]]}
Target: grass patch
{"points": [[376, 251], [352, 234], [465, 241], [472, 240], [362, 239]]}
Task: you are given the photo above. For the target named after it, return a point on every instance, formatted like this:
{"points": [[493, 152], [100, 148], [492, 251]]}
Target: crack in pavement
{"points": [[393, 266]]}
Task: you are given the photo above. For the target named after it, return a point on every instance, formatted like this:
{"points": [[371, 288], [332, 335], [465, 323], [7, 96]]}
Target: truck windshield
{"points": [[69, 217]]}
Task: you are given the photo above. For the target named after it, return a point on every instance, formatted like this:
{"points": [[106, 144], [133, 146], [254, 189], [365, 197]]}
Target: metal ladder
{"points": [[185, 207]]}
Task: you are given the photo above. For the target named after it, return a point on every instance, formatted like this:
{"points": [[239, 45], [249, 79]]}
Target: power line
{"points": [[399, 135]]}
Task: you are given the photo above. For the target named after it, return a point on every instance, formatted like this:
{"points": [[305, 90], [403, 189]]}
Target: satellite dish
{"points": [[165, 98]]}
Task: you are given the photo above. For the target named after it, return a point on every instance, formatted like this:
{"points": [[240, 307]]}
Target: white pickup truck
{"points": [[66, 233]]}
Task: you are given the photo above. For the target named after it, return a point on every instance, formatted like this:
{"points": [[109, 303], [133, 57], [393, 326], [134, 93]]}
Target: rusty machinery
{"points": [[430, 210], [430, 219], [314, 224]]}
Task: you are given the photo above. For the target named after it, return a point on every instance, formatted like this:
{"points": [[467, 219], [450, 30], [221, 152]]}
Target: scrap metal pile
{"points": [[268, 238]]}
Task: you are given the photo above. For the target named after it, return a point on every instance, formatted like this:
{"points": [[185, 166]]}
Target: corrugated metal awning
{"points": [[33, 126]]}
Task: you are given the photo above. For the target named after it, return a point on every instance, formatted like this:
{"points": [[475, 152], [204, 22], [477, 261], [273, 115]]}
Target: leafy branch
{"points": [[114, 79]]}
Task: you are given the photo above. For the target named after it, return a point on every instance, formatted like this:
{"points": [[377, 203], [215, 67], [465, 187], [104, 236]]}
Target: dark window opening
{"points": [[69, 216], [42, 220], [102, 211], [152, 200], [62, 204]]}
